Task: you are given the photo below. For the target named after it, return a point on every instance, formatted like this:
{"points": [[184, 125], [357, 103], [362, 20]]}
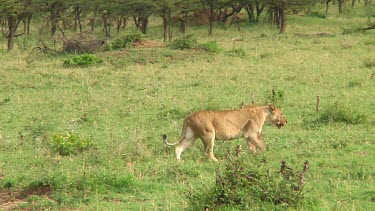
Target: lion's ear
{"points": [[272, 108]]}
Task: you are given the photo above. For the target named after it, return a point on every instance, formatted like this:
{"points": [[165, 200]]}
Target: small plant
{"points": [[126, 41], [277, 96], [241, 186], [186, 42], [210, 46], [369, 63], [339, 113], [69, 144], [237, 52], [83, 60], [317, 15]]}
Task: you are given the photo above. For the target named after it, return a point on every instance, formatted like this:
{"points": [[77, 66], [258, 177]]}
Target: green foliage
{"points": [[237, 52], [186, 42], [341, 113], [317, 14], [69, 144], [243, 186], [277, 96], [83, 60], [369, 63], [128, 40], [210, 46]]}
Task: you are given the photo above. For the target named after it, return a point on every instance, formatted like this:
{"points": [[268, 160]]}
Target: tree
{"points": [[13, 11], [277, 10]]}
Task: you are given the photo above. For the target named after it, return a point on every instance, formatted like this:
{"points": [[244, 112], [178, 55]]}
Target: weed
{"points": [[237, 52], [186, 42], [243, 186], [369, 63], [127, 41], [277, 96], [340, 113], [317, 15], [69, 144], [83, 60], [210, 46]]}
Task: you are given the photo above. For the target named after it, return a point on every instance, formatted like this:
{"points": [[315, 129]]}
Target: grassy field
{"points": [[126, 103]]}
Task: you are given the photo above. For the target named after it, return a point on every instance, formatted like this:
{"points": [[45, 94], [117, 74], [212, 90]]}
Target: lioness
{"points": [[226, 125]]}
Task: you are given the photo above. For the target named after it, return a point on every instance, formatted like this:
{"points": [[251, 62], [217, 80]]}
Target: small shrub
{"points": [[277, 96], [127, 41], [340, 113], [237, 52], [369, 63], [186, 42], [210, 46], [69, 144], [317, 15], [83, 60], [241, 186]]}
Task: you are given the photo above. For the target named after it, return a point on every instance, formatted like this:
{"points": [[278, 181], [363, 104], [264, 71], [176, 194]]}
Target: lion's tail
{"points": [[166, 142], [186, 122]]}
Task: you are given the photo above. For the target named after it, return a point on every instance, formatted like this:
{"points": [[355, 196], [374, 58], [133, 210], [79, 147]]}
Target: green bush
{"points": [[237, 52], [241, 186], [126, 41], [69, 144], [210, 46], [83, 60], [339, 113], [186, 42]]}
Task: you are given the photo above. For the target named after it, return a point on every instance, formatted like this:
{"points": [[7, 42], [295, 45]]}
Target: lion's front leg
{"points": [[255, 141], [209, 142], [251, 146]]}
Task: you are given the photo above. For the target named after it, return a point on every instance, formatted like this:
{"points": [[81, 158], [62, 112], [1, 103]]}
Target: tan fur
{"points": [[209, 126]]}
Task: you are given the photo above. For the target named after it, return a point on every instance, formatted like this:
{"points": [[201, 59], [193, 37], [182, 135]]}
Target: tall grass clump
{"points": [[83, 60], [342, 113], [69, 144], [243, 186], [127, 41], [185, 42]]}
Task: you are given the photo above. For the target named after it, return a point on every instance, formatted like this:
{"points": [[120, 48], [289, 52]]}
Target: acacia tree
{"points": [[13, 12], [277, 10]]}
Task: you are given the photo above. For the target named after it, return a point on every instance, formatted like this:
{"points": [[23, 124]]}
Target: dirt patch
{"points": [[11, 199]]}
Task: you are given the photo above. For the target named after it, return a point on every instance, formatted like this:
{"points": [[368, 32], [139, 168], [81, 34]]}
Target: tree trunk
{"points": [[12, 26], [106, 24], [250, 12], [211, 17], [282, 18], [259, 9], [340, 4], [77, 18], [144, 25]]}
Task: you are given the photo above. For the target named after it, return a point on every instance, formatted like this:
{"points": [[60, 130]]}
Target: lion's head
{"points": [[276, 117]]}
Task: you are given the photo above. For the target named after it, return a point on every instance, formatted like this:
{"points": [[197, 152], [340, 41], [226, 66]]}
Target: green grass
{"points": [[126, 103]]}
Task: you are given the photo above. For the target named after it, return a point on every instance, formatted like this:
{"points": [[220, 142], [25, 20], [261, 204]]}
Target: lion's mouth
{"points": [[279, 124]]}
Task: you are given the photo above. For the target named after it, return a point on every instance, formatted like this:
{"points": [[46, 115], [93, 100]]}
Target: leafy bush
{"points": [[210, 46], [128, 40], [340, 113], [277, 96], [186, 42], [69, 144], [369, 63], [237, 52], [241, 186], [83, 60], [317, 15]]}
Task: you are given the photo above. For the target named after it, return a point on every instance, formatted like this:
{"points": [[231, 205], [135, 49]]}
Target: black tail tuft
{"points": [[164, 137]]}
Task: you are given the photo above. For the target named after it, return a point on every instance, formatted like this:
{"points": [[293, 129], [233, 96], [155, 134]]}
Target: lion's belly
{"points": [[229, 134]]}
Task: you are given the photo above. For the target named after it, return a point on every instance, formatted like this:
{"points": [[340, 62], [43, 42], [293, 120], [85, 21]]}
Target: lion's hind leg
{"points": [[186, 140]]}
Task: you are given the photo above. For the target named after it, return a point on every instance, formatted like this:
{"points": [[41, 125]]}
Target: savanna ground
{"points": [[126, 103]]}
